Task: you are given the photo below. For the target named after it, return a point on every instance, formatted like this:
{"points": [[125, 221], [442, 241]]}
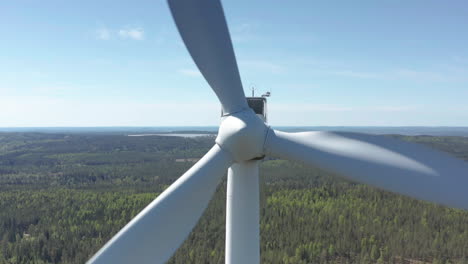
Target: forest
{"points": [[63, 195]]}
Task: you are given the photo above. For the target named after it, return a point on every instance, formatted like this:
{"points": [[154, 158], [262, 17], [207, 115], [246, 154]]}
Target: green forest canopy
{"points": [[62, 196]]}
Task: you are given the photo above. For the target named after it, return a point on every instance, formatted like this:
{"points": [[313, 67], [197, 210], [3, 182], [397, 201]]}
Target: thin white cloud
{"points": [[261, 65], [132, 33], [243, 32], [356, 74], [190, 72], [289, 114], [417, 75], [103, 33], [35, 111], [342, 108], [58, 111], [440, 75], [243, 28], [312, 107], [392, 108]]}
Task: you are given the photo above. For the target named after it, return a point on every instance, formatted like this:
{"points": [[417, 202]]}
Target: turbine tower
{"points": [[244, 138]]}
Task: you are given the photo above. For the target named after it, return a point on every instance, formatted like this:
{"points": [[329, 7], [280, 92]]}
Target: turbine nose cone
{"points": [[243, 135]]}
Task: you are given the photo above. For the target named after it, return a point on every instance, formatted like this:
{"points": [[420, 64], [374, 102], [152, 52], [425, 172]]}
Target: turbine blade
{"points": [[390, 164], [205, 33], [157, 231]]}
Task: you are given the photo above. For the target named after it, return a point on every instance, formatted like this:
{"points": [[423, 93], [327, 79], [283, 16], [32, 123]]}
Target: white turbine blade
{"points": [[204, 31], [390, 164], [157, 231]]}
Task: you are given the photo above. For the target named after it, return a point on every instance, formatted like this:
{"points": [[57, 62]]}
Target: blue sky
{"points": [[327, 63]]}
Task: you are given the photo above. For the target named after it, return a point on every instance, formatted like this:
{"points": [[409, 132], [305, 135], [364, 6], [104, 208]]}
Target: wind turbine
{"points": [[243, 138]]}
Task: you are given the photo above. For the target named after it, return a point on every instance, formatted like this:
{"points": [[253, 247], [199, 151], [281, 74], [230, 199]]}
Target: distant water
{"points": [[191, 131], [187, 135]]}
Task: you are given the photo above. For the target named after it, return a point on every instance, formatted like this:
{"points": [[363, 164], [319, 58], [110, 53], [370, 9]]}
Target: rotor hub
{"points": [[243, 135]]}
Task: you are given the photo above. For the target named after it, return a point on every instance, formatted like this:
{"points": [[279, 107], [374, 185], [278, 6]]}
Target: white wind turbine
{"points": [[157, 231]]}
